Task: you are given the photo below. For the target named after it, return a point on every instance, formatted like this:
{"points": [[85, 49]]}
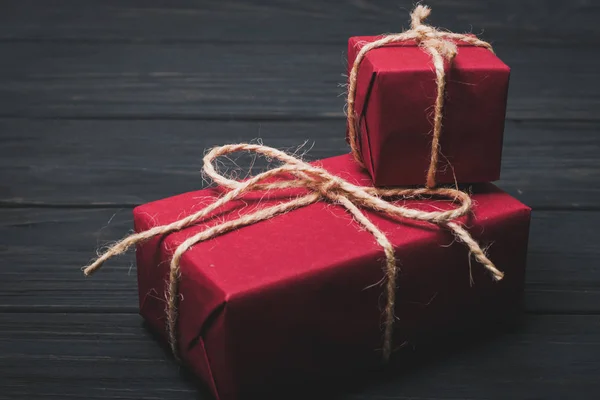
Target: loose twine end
{"points": [[498, 275], [89, 270], [419, 14]]}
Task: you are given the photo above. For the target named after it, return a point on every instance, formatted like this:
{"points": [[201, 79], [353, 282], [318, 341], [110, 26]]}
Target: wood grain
{"points": [[92, 356], [61, 356], [43, 249], [241, 81], [114, 163], [285, 21]]}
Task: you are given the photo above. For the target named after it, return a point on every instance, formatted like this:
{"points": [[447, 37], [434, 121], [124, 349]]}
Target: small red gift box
{"points": [[296, 297], [394, 103]]}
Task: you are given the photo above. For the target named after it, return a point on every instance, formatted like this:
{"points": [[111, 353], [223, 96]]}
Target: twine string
{"points": [[320, 186], [440, 45]]}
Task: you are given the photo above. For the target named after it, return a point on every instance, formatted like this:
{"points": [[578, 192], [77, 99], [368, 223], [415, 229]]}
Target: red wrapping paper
{"points": [[395, 99], [295, 298]]}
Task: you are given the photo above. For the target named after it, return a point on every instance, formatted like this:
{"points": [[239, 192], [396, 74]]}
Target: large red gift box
{"points": [[296, 297], [394, 103]]}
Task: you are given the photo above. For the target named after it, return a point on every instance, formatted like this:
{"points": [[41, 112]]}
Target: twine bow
{"points": [[320, 186], [441, 46]]}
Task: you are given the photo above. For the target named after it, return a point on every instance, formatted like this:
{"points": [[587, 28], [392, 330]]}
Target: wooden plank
{"points": [[43, 249], [563, 268], [75, 162], [92, 356], [526, 21], [238, 81]]}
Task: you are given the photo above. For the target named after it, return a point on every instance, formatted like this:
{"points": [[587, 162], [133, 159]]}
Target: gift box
{"points": [[297, 297], [394, 107]]}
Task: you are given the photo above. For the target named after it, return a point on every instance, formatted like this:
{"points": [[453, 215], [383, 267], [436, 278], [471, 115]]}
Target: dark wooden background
{"points": [[108, 104]]}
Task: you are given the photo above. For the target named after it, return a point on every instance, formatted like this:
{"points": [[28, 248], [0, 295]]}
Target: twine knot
{"points": [[441, 46], [319, 185]]}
